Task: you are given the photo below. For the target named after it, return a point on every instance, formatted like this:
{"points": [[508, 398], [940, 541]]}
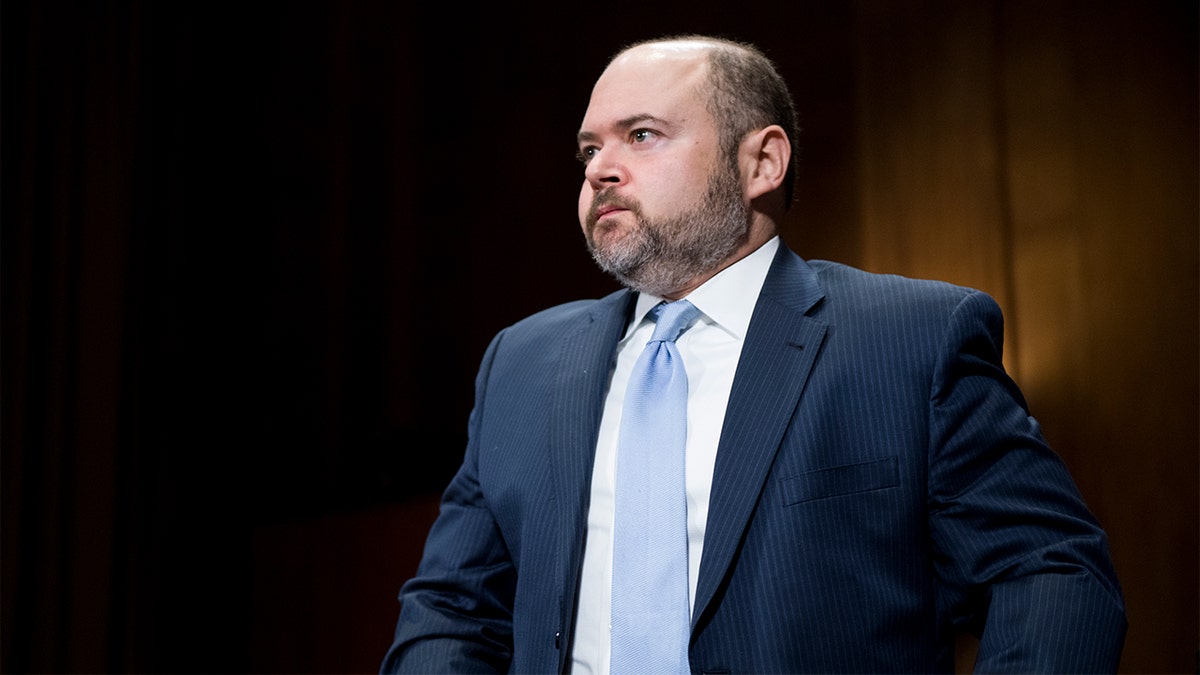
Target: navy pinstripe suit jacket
{"points": [[879, 484]]}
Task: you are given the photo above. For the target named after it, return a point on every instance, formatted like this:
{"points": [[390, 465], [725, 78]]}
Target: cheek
{"points": [[585, 203]]}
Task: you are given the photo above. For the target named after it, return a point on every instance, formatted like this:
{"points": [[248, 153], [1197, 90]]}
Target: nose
{"points": [[605, 169]]}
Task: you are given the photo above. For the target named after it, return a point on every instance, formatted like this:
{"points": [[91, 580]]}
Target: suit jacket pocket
{"points": [[840, 480]]}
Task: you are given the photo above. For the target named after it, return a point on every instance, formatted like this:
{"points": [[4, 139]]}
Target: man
{"points": [[862, 479]]}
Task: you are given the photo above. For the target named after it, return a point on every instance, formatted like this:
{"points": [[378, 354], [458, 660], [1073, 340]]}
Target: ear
{"points": [[765, 154]]}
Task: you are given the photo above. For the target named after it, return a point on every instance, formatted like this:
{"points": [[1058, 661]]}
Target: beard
{"points": [[661, 255]]}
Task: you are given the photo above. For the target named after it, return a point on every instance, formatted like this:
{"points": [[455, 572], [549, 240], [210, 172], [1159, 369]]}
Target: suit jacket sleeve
{"points": [[456, 613], [1025, 564]]}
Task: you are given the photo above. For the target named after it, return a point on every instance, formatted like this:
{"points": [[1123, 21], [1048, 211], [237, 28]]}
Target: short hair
{"points": [[745, 93]]}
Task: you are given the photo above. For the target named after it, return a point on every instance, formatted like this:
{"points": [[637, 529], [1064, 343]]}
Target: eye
{"points": [[642, 135], [586, 153]]}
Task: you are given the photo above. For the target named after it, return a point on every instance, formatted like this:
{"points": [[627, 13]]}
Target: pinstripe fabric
{"points": [[879, 481]]}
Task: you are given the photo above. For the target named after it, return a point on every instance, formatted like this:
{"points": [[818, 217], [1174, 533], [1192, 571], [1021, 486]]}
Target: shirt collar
{"points": [[723, 298]]}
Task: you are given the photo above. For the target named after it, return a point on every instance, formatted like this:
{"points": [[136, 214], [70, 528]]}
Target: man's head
{"points": [[687, 147]]}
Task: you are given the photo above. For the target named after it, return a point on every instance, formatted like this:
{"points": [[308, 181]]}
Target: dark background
{"points": [[252, 253]]}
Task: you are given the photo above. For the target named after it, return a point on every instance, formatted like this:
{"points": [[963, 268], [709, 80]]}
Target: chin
{"points": [[606, 236]]}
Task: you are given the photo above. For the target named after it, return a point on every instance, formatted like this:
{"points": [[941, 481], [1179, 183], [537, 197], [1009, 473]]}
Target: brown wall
{"points": [[232, 244], [1046, 152]]}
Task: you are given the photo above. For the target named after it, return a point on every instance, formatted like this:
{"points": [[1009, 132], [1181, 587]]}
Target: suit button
{"points": [[557, 640]]}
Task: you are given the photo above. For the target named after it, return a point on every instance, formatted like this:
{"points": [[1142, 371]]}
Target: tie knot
{"points": [[671, 319]]}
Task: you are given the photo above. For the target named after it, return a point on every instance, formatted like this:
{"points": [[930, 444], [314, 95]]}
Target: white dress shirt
{"points": [[710, 350]]}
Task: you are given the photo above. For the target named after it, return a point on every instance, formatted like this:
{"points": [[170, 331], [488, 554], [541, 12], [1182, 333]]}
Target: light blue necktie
{"points": [[651, 621]]}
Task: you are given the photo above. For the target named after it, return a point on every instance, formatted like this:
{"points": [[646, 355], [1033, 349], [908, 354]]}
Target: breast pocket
{"points": [[877, 474]]}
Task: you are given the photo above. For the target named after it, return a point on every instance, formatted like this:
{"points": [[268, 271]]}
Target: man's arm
{"points": [[1026, 565], [456, 613]]}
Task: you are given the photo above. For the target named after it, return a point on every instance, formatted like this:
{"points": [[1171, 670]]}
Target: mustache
{"points": [[610, 198]]}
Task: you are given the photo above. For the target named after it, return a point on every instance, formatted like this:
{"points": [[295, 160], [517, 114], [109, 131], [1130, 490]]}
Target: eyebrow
{"points": [[624, 124]]}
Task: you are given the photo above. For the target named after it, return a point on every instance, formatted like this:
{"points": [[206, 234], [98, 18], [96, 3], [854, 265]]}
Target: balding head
{"points": [[743, 89]]}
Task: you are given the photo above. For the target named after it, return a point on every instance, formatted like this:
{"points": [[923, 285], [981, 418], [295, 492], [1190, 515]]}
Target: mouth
{"points": [[608, 204], [605, 222], [608, 209]]}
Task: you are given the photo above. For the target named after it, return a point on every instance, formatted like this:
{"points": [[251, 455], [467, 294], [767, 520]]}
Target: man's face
{"points": [[659, 205]]}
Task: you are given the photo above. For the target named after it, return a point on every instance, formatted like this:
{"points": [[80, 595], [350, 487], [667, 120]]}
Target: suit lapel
{"points": [[584, 360], [781, 346]]}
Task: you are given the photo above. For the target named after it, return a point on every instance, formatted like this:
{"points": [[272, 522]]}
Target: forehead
{"points": [[660, 81]]}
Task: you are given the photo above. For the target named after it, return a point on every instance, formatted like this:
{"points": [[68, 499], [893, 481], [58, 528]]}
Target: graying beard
{"points": [[659, 268]]}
